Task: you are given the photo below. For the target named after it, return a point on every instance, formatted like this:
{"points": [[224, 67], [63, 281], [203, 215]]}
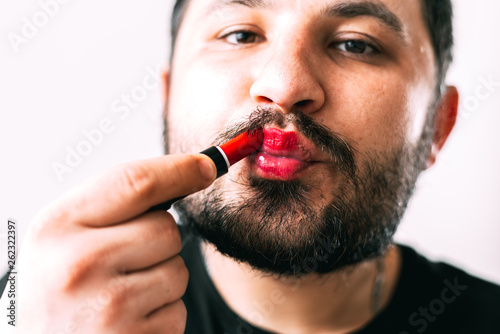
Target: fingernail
{"points": [[207, 168]]}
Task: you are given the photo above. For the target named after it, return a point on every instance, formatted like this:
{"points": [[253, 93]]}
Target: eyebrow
{"points": [[377, 10], [346, 9], [247, 3]]}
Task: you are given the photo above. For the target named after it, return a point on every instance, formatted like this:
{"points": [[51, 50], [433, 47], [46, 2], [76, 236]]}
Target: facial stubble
{"points": [[278, 227]]}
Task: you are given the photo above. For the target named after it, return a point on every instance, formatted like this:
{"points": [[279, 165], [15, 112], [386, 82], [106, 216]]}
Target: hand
{"points": [[94, 262]]}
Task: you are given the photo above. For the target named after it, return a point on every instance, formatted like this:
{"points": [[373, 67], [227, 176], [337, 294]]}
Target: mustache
{"points": [[328, 141]]}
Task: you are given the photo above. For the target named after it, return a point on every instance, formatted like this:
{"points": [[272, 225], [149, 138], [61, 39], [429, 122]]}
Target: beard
{"points": [[281, 228]]}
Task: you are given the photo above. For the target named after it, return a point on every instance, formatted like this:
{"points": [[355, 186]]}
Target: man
{"points": [[297, 238]]}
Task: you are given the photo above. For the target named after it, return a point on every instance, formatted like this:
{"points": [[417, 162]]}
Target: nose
{"points": [[288, 80]]}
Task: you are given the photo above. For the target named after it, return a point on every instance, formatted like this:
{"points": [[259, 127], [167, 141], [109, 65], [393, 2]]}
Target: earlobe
{"points": [[166, 78], [446, 116], [166, 86]]}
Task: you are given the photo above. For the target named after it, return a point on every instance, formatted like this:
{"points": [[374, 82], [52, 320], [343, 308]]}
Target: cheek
{"points": [[419, 102], [370, 109], [203, 100]]}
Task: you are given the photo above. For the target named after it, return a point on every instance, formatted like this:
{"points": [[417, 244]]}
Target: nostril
{"points": [[303, 103], [263, 100], [307, 106]]}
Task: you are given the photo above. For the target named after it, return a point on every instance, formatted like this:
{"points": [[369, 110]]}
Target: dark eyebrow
{"points": [[346, 9], [349, 9], [247, 3]]}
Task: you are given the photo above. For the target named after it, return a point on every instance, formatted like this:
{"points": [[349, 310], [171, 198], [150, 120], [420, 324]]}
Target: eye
{"points": [[241, 37], [357, 47]]}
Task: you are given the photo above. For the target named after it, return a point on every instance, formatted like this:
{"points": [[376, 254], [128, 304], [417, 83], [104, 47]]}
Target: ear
{"points": [[446, 117], [166, 79], [166, 86]]}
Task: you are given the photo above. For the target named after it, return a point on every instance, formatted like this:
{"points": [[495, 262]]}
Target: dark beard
{"points": [[278, 229]]}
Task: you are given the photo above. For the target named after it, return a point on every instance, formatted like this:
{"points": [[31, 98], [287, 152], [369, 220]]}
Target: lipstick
{"points": [[283, 155], [226, 155]]}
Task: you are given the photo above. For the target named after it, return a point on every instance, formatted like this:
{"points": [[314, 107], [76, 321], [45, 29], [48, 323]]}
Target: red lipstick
{"points": [[226, 155], [282, 155], [242, 146], [278, 140]]}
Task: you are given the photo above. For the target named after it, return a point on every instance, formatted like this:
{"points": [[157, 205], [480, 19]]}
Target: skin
{"points": [[297, 62], [294, 58], [85, 263], [87, 267]]}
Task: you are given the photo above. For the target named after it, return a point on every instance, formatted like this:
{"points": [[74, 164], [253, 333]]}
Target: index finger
{"points": [[128, 190]]}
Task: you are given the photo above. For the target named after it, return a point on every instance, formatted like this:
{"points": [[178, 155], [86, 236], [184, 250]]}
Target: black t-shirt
{"points": [[429, 298]]}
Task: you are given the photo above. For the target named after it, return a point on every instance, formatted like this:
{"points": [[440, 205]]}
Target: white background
{"points": [[67, 77]]}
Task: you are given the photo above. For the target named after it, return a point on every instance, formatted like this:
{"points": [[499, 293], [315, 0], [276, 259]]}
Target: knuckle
{"points": [[173, 318], [135, 180], [120, 289], [173, 236], [116, 302], [76, 272], [79, 270], [172, 278], [109, 314], [177, 276], [175, 269], [164, 228], [179, 318], [114, 298], [181, 269]]}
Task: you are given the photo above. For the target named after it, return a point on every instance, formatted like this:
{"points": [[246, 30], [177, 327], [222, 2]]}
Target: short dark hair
{"points": [[175, 22], [437, 14]]}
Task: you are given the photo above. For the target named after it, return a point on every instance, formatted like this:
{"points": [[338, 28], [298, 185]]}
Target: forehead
{"points": [[393, 11]]}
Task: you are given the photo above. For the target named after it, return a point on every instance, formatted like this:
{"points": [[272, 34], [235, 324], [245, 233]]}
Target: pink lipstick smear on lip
{"points": [[280, 156], [278, 140]]}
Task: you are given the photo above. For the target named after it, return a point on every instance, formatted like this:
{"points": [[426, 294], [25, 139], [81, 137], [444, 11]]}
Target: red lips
{"points": [[283, 156], [276, 139]]}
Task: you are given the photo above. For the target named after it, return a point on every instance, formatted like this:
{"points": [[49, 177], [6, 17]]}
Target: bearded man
{"points": [[298, 237]]}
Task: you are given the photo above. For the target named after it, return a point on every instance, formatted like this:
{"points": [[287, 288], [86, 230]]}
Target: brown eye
{"points": [[357, 47], [241, 37]]}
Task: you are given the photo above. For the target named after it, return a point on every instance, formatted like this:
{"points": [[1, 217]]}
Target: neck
{"points": [[337, 302]]}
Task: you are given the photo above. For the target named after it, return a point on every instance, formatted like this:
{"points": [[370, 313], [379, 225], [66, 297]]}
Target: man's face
{"points": [[363, 71]]}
